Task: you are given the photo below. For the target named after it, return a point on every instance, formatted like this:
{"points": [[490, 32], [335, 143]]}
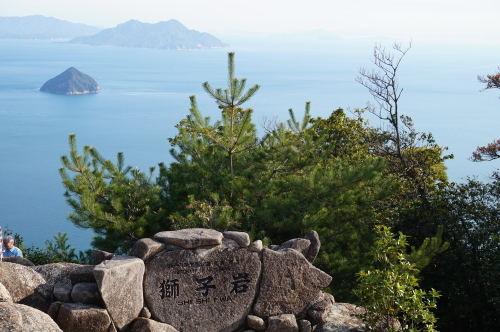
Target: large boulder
{"points": [[120, 284], [21, 318], [289, 283], [146, 248], [282, 323], [25, 285], [205, 290], [74, 317], [318, 308], [191, 238], [4, 294], [86, 292], [57, 272], [85, 273], [149, 325], [18, 260], [340, 317]]}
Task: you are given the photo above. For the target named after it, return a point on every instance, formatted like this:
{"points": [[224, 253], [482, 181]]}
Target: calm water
{"points": [[145, 93]]}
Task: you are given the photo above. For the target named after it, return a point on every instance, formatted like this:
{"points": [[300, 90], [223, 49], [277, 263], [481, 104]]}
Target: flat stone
{"points": [[146, 248], [18, 260], [83, 317], [148, 325], [282, 323], [318, 307], [241, 238], [313, 250], [86, 292], [209, 290], [82, 274], [16, 317], [57, 272], [100, 256], [304, 325], [256, 323], [289, 283], [191, 238], [256, 246], [4, 294], [120, 284], [62, 292]]}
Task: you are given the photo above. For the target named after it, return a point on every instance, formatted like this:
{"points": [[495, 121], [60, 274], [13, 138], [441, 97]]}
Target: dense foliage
{"points": [[338, 175]]}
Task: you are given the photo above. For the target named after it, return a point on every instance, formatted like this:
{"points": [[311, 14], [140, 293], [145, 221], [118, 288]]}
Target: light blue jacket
{"points": [[14, 252]]}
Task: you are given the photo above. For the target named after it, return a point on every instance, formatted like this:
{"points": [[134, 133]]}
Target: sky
{"points": [[472, 19]]}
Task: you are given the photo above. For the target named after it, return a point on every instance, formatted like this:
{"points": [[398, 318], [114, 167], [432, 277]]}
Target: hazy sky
{"points": [[394, 18]]}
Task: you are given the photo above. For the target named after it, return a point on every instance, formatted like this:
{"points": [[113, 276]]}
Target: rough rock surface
{"points": [[319, 306], [313, 251], [62, 292], [83, 317], [304, 325], [57, 272], [210, 290], [191, 238], [338, 317], [146, 248], [100, 256], [21, 318], [18, 260], [25, 286], [301, 245], [4, 294], [54, 309], [120, 283], [289, 283], [241, 238], [256, 246], [82, 274], [86, 292], [282, 323], [149, 325], [256, 323]]}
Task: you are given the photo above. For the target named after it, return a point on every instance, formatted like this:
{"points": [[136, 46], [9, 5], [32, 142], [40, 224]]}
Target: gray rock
{"points": [[25, 285], [83, 317], [241, 238], [274, 246], [318, 307], [313, 250], [4, 294], [191, 238], [256, 246], [18, 260], [21, 318], [256, 323], [54, 310], [86, 292], [82, 274], [120, 283], [100, 256], [148, 325], [282, 323], [301, 245], [210, 290], [304, 325], [289, 283], [62, 292], [57, 272], [228, 243], [339, 318], [145, 313], [146, 248]]}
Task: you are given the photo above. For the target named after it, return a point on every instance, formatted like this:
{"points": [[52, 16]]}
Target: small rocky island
{"points": [[71, 82]]}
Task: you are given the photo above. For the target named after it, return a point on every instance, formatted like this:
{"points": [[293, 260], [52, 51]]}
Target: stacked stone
{"points": [[192, 280]]}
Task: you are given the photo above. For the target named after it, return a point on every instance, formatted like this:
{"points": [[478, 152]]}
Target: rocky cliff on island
{"points": [[71, 82]]}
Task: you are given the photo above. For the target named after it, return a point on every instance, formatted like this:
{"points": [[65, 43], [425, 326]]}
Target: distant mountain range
{"points": [[41, 27], [169, 35]]}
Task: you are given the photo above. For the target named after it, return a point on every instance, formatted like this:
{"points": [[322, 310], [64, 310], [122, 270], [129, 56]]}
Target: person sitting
{"points": [[10, 249]]}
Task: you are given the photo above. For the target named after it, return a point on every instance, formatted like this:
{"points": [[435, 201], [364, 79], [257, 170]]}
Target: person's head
{"points": [[8, 242]]}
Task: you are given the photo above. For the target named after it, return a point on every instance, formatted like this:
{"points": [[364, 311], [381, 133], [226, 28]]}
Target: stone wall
{"points": [[191, 280]]}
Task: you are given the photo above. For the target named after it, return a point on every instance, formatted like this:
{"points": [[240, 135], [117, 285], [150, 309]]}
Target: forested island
{"points": [[168, 35], [71, 82]]}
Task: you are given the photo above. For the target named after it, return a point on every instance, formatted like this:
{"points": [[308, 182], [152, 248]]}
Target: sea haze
{"points": [[145, 94]]}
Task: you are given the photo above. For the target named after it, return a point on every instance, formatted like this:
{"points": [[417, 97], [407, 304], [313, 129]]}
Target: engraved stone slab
{"points": [[209, 290], [289, 283], [191, 238]]}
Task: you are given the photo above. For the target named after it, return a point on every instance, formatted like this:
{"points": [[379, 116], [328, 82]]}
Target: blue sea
{"points": [[145, 93]]}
